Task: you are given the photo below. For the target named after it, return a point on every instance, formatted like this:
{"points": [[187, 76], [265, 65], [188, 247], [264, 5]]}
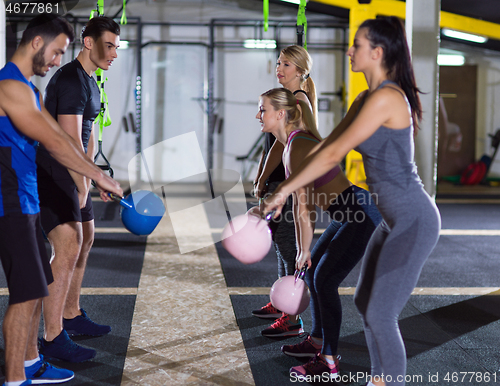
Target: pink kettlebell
{"points": [[247, 238], [290, 293]]}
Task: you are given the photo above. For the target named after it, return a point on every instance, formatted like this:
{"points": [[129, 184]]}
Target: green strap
{"points": [[123, 19], [103, 118], [100, 7], [301, 19], [266, 15]]}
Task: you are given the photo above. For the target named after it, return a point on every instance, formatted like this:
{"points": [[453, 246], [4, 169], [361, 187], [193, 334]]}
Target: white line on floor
{"points": [[417, 291], [443, 232]]}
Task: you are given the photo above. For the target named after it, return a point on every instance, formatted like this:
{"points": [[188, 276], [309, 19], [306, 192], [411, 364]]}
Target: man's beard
{"points": [[39, 62]]}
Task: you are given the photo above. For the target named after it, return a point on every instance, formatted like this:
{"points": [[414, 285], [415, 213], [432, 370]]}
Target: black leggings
{"points": [[336, 253], [283, 230]]}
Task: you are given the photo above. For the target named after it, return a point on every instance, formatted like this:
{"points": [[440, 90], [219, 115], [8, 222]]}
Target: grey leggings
{"points": [[283, 230], [390, 270]]}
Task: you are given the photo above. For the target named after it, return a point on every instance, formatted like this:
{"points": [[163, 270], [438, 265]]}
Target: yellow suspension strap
{"points": [[103, 118], [302, 24]]}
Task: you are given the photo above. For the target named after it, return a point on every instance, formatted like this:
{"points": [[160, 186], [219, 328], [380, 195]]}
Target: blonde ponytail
{"points": [[283, 99], [301, 59], [310, 89]]}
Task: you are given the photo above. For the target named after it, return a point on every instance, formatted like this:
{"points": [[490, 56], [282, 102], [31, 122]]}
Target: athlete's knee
{"points": [[87, 243], [66, 243], [361, 303], [323, 286], [379, 320]]}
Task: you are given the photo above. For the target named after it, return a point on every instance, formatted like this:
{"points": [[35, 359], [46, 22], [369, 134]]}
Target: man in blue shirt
{"points": [[24, 123]]}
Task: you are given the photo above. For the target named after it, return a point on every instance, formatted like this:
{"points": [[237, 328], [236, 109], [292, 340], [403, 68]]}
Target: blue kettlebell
{"points": [[141, 211]]}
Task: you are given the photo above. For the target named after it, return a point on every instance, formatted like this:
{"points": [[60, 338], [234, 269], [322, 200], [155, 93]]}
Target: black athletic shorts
{"points": [[24, 257], [59, 196]]}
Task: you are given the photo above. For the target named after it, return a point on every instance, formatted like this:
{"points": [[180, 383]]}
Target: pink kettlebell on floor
{"points": [[247, 238], [290, 294]]}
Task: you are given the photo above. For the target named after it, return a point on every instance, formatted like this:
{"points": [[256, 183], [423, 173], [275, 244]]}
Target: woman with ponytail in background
{"points": [[293, 72]]}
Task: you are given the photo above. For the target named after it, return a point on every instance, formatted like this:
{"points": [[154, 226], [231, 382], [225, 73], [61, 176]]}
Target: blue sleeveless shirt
{"points": [[18, 187]]}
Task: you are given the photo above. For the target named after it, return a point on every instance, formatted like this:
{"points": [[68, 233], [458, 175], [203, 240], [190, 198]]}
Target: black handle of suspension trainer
{"points": [[300, 35], [107, 166]]}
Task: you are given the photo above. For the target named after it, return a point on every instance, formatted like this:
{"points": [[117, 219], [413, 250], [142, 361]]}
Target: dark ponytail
{"points": [[389, 33]]}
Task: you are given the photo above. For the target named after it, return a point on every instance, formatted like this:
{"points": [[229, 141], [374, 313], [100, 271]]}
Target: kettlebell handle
{"points": [[300, 274], [120, 200], [268, 217]]}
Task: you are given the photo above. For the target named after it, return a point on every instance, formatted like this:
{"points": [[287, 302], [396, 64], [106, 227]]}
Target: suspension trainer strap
{"points": [[103, 117], [123, 19], [266, 15], [100, 7], [302, 23]]}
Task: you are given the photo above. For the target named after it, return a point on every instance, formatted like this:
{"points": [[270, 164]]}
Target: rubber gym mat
{"points": [[115, 261]]}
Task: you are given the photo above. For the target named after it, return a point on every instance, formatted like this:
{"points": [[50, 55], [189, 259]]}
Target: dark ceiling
{"points": [[488, 10]]}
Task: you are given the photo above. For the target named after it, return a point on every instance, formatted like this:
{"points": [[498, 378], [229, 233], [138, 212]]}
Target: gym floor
{"points": [[184, 319]]}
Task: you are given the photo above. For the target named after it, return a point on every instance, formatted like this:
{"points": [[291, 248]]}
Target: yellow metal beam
{"points": [[448, 20], [389, 8], [360, 12], [348, 4], [356, 82], [470, 25], [354, 167]]}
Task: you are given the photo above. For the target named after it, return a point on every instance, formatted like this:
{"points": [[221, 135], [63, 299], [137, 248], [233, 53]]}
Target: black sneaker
{"points": [[283, 327], [267, 312], [63, 348], [83, 325], [306, 348]]}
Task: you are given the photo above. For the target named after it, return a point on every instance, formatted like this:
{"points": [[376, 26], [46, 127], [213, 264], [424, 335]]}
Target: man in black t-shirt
{"points": [[72, 98]]}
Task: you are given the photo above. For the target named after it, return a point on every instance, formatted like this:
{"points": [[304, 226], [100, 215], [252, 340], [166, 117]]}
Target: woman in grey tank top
{"points": [[380, 124]]}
